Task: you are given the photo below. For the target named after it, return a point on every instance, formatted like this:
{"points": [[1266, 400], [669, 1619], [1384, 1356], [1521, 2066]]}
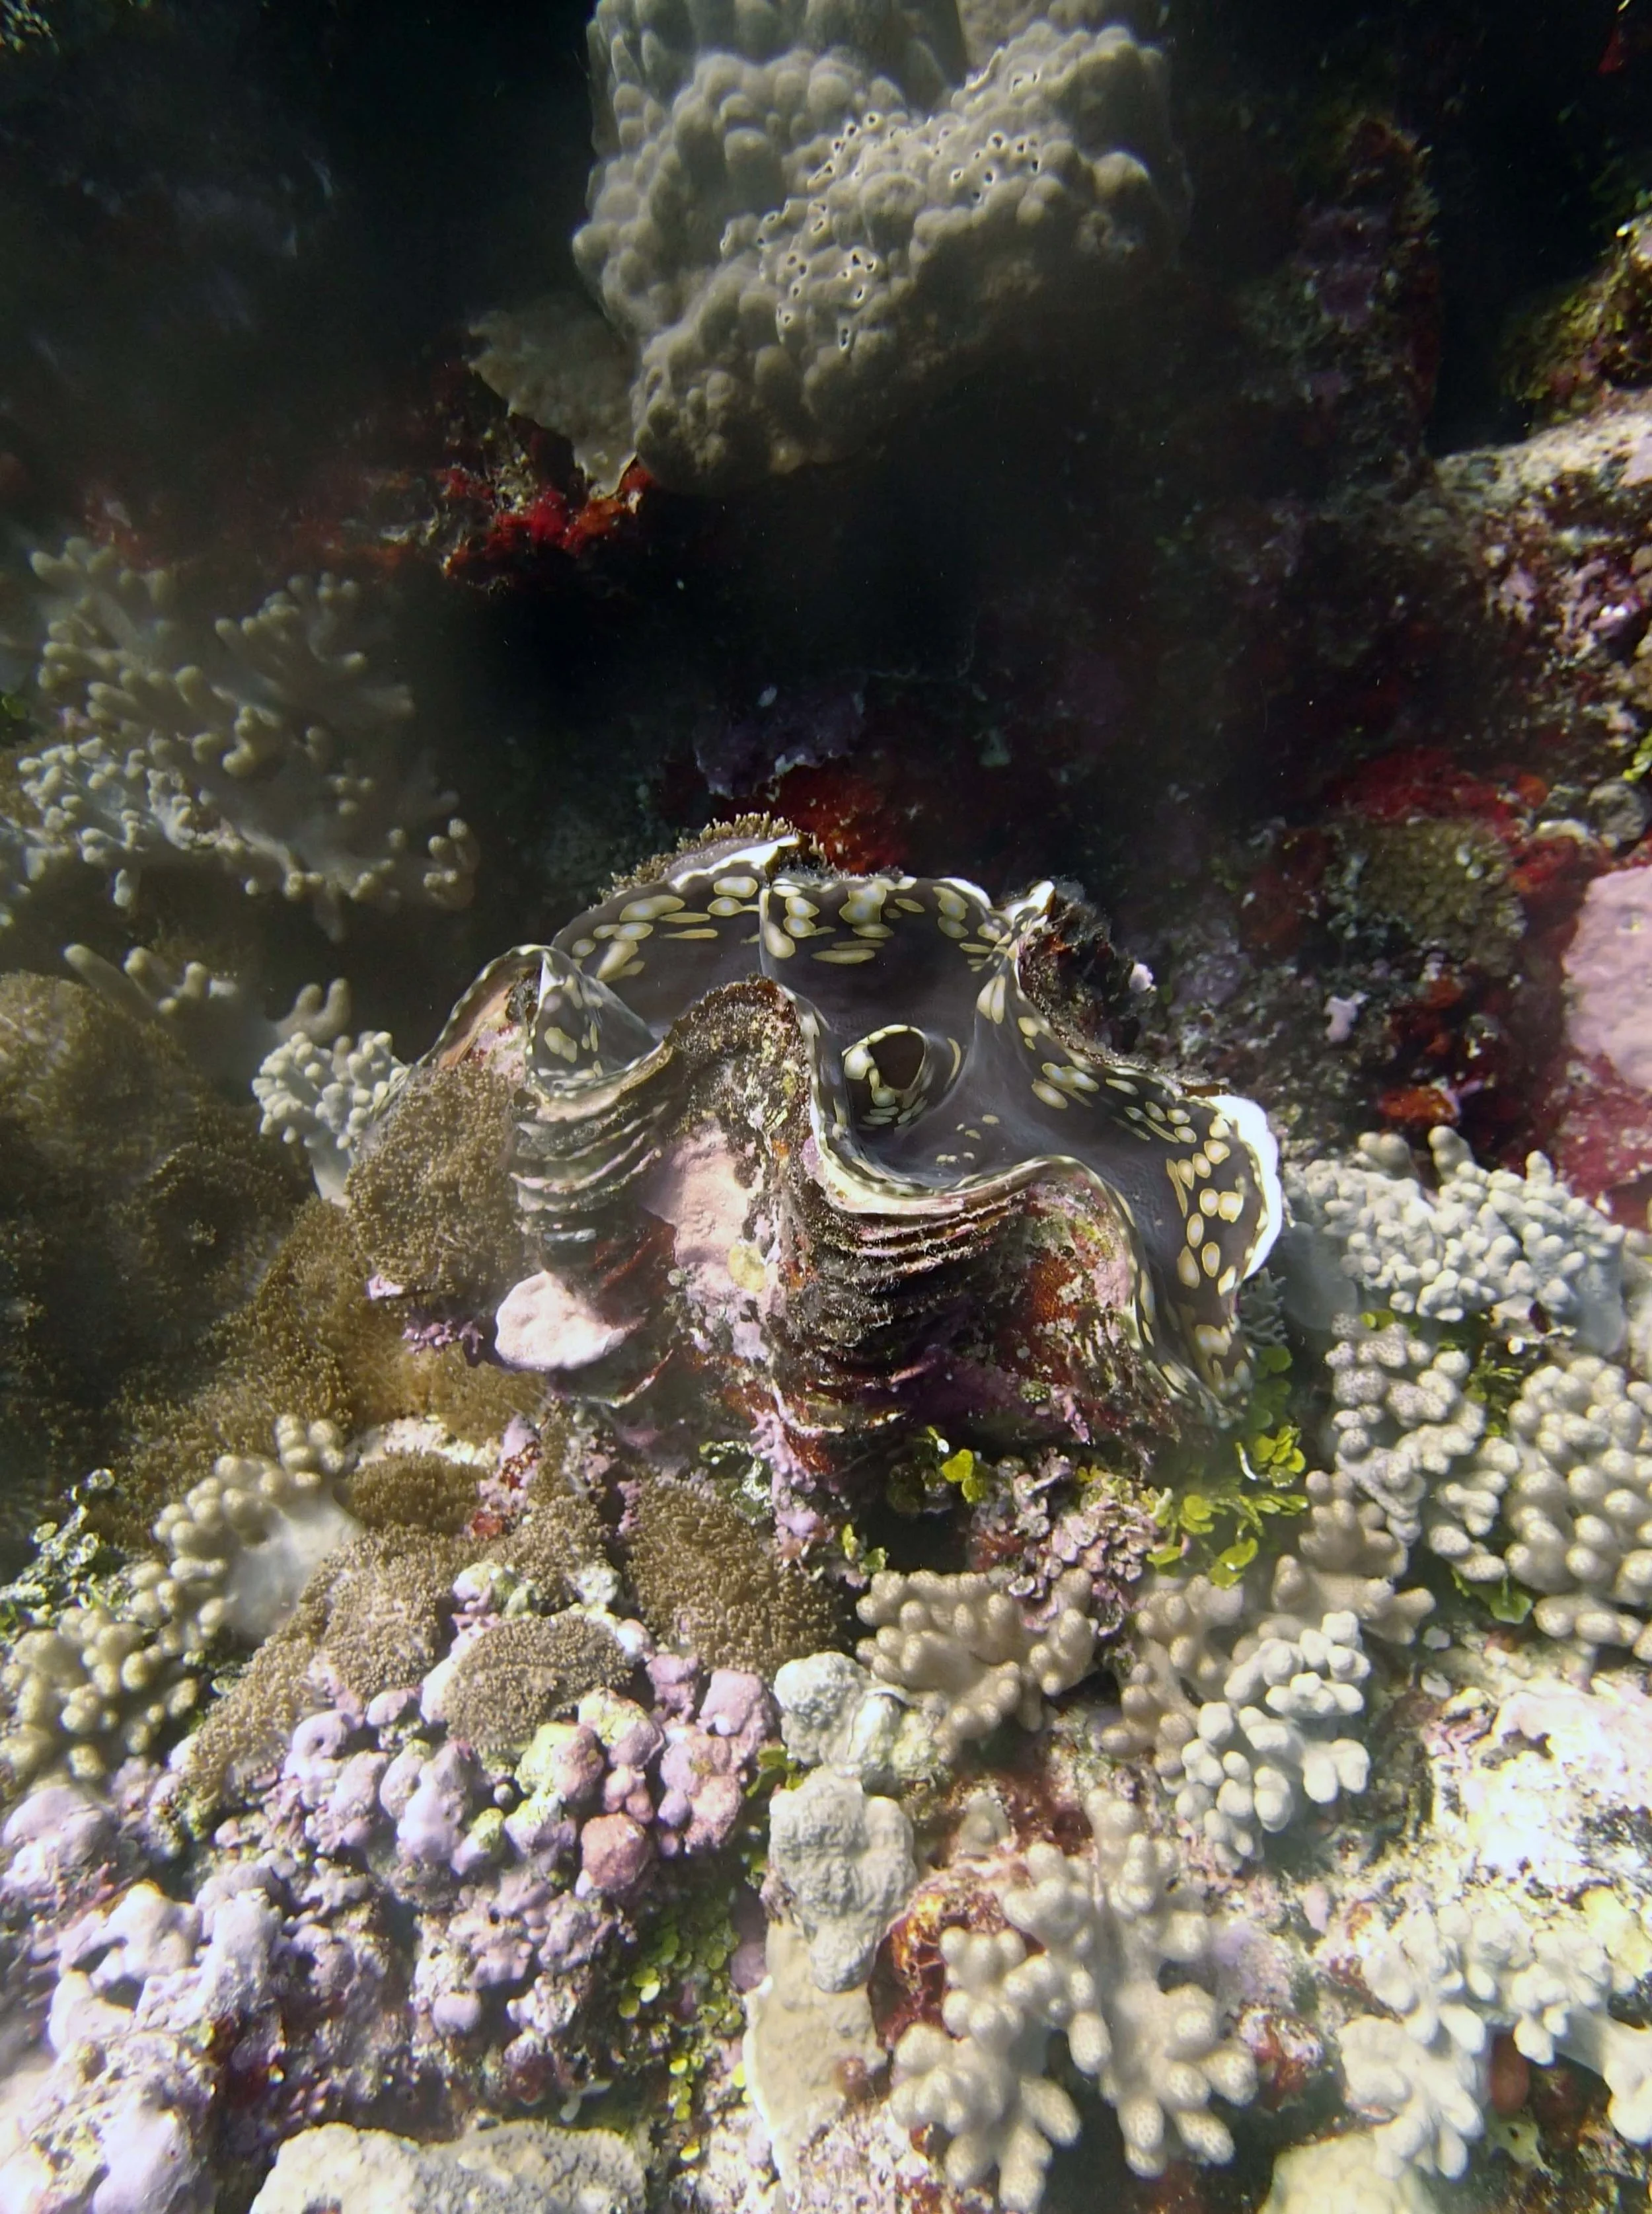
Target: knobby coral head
{"points": [[822, 1153]]}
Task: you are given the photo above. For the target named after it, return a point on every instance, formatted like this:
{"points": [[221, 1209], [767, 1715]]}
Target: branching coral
{"points": [[1104, 1928], [1565, 1500], [266, 748], [1452, 1974], [105, 1679], [1346, 1558], [1253, 1751], [1404, 1420], [973, 1656], [1487, 1242], [1502, 1260], [1243, 1708], [244, 1542]]}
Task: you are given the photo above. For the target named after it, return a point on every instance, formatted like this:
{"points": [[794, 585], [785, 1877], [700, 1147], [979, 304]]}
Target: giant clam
{"points": [[814, 1157]]}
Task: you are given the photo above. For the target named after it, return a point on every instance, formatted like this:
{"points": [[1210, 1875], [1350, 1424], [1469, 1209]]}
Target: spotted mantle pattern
{"points": [[937, 1083]]}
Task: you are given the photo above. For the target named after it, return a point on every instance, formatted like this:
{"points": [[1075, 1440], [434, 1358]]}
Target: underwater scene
{"points": [[825, 1107]]}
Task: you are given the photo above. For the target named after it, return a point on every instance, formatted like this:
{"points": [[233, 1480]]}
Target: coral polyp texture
{"points": [[269, 748], [1565, 1500], [1104, 1928], [834, 1150], [136, 1205], [968, 1655], [806, 220], [321, 1095]]}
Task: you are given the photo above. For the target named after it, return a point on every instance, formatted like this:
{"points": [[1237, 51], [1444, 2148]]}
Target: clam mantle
{"points": [[836, 1147]]}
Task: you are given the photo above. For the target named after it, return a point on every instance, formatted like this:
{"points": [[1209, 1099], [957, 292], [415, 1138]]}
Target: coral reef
{"points": [[1402, 1417], [492, 1793], [970, 1654], [802, 2045], [135, 1206], [125, 2110], [323, 1095], [557, 363], [777, 1453], [266, 748], [801, 229], [447, 1707], [1103, 1928], [834, 1712], [1597, 337], [410, 1752], [1605, 978]]}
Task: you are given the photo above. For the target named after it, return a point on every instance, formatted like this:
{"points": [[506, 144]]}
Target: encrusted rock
{"points": [[517, 2168], [845, 1858]]}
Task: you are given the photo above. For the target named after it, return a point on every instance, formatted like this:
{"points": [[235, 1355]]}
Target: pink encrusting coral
{"points": [[1603, 1139], [1609, 976]]}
